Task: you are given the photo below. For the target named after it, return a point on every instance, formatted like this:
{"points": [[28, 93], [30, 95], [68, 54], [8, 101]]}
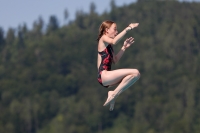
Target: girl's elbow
{"points": [[113, 42]]}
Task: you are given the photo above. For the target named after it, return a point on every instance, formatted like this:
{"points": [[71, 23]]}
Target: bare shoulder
{"points": [[106, 39], [101, 44]]}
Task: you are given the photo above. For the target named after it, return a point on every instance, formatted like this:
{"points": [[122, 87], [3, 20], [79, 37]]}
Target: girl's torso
{"points": [[105, 58]]}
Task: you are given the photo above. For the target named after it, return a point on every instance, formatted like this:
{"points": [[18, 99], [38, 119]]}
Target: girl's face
{"points": [[112, 31]]}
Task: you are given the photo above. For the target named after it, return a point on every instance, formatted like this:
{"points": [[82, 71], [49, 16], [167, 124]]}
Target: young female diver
{"points": [[124, 78]]}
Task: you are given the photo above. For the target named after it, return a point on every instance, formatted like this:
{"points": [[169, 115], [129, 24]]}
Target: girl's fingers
{"points": [[130, 39]]}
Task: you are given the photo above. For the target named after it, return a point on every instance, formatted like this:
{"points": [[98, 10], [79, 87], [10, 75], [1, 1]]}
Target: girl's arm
{"points": [[127, 43], [114, 41], [120, 35]]}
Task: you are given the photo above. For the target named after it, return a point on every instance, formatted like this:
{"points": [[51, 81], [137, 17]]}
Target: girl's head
{"points": [[108, 28]]}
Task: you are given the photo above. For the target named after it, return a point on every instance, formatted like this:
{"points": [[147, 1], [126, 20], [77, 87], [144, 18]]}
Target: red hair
{"points": [[102, 28]]}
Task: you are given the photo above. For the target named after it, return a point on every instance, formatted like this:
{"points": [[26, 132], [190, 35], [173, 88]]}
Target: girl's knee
{"points": [[136, 73]]}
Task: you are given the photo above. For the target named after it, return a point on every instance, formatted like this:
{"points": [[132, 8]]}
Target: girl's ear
{"points": [[106, 30]]}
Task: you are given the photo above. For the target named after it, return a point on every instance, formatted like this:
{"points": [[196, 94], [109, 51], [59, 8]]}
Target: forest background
{"points": [[48, 74]]}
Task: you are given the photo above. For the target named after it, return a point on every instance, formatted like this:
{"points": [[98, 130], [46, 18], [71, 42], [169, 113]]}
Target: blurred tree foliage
{"points": [[48, 76]]}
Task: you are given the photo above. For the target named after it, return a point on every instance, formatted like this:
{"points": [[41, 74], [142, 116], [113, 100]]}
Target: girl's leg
{"points": [[127, 77], [112, 102], [110, 78]]}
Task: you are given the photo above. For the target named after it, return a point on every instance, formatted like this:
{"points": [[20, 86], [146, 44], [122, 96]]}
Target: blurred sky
{"points": [[17, 12]]}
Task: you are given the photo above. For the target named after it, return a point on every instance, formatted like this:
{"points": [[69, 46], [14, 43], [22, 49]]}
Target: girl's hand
{"points": [[131, 26], [128, 42]]}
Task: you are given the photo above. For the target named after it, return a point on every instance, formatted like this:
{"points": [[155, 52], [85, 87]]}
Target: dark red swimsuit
{"points": [[106, 62]]}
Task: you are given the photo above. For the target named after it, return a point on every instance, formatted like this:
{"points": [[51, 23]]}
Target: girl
{"points": [[124, 78]]}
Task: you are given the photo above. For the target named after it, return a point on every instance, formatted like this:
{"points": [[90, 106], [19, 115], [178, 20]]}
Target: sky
{"points": [[17, 12]]}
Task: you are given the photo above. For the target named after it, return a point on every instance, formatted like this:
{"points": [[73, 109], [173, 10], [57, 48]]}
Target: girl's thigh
{"points": [[116, 76]]}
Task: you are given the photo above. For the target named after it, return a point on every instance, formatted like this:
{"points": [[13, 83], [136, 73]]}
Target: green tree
{"points": [[2, 40], [53, 24], [10, 37]]}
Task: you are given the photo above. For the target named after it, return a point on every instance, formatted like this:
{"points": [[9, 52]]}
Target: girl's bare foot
{"points": [[111, 97]]}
